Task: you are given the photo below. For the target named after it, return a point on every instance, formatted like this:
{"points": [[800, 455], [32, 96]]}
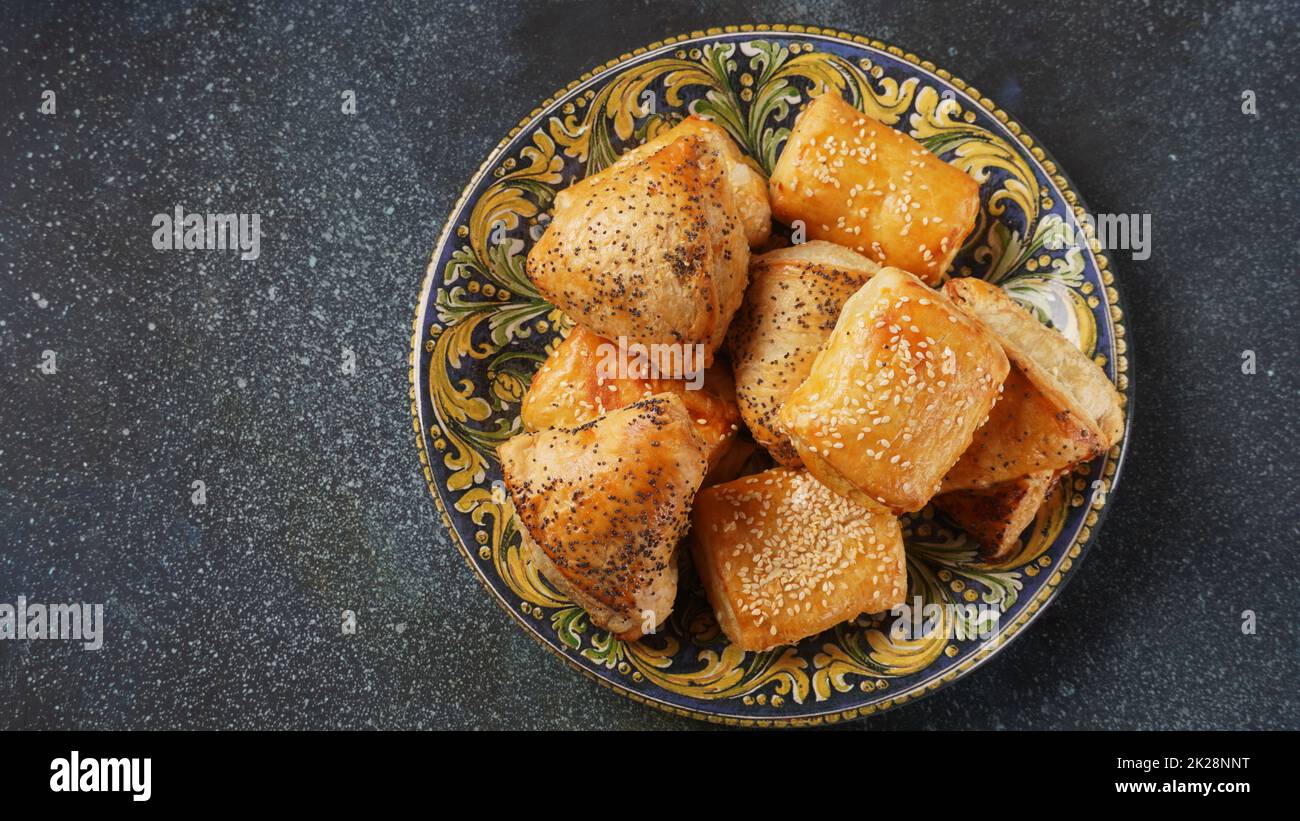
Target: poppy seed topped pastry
{"points": [[571, 388], [896, 394], [794, 298], [782, 557], [857, 182], [748, 187], [601, 508], [996, 516], [652, 249]]}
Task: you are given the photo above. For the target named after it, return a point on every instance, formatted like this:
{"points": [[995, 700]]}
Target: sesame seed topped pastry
{"points": [[570, 389], [782, 557], [996, 516], [857, 182], [794, 298], [1049, 360], [652, 249], [602, 507], [748, 187], [896, 394]]}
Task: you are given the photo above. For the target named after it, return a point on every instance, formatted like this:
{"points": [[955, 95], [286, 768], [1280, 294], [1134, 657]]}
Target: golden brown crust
{"points": [[621, 622], [1029, 430], [860, 183], [652, 249], [1050, 360], [896, 394], [793, 300], [742, 457], [782, 557], [606, 503], [996, 516], [748, 187], [569, 390]]}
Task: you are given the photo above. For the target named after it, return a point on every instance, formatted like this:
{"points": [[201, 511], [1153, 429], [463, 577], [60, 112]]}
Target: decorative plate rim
{"points": [[1115, 312]]}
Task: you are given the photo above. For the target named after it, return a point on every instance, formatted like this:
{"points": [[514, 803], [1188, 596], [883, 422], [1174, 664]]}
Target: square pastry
{"points": [[782, 557], [896, 394], [855, 181]]}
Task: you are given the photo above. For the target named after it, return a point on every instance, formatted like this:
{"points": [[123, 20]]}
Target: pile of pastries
{"points": [[847, 382]]}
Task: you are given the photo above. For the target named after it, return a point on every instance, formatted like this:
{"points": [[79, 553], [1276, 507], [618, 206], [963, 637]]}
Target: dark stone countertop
{"points": [[191, 366]]}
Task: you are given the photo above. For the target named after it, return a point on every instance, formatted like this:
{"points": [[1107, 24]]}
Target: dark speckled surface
{"points": [[184, 366]]}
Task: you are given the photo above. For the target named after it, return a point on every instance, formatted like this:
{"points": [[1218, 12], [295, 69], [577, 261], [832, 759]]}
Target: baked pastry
{"points": [[748, 187], [1033, 428], [896, 394], [652, 249], [782, 557], [579, 382], [601, 508], [857, 182], [741, 457], [794, 297], [996, 516], [1047, 358]]}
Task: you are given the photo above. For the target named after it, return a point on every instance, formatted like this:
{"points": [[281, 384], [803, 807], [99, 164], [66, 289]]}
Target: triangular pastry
{"points": [[572, 388], [748, 187], [1030, 429], [996, 516], [653, 250], [603, 506], [1044, 354]]}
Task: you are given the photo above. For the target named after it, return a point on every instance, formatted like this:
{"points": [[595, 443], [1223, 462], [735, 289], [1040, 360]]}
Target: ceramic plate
{"points": [[481, 330]]}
